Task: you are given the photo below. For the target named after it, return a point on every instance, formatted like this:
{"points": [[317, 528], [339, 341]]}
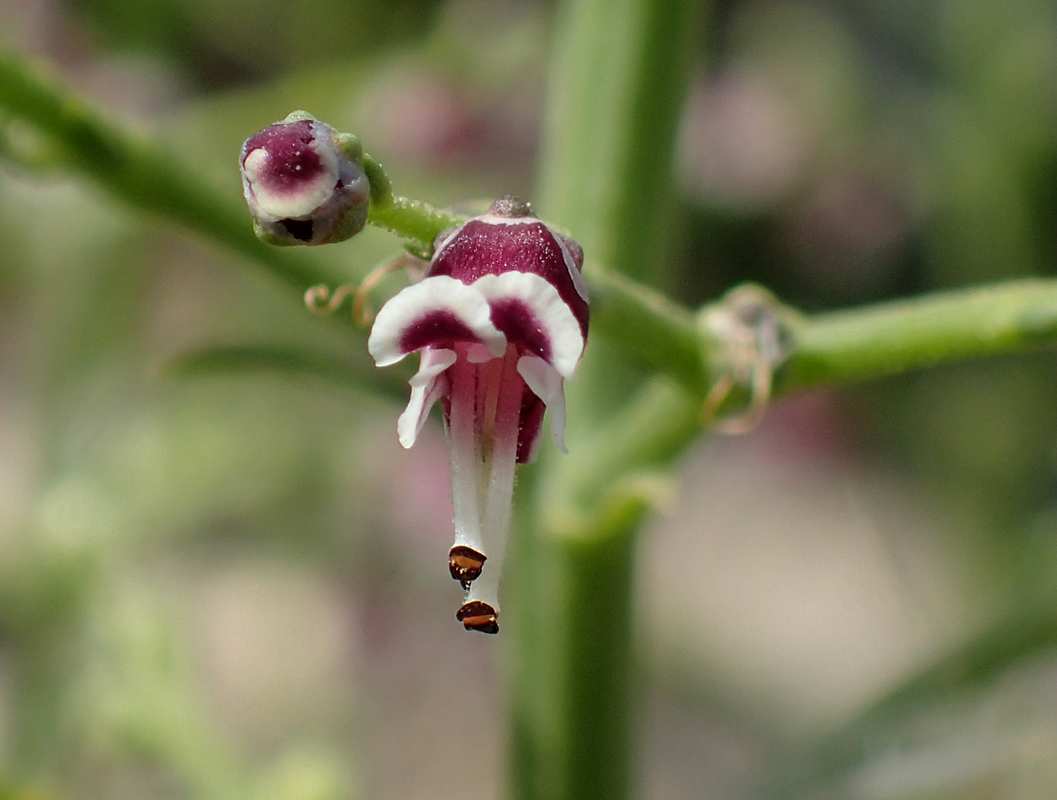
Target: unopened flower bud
{"points": [[304, 182]]}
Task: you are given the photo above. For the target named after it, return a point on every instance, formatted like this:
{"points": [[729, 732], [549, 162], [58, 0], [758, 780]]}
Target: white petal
{"points": [[414, 303], [555, 319], [427, 386], [492, 219], [545, 382], [299, 202]]}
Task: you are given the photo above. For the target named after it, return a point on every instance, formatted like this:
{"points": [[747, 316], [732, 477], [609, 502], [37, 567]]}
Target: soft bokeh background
{"points": [[234, 587]]}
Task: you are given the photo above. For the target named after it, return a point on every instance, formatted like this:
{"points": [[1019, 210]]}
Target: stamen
{"points": [[501, 464], [465, 489], [478, 616], [465, 564], [504, 453]]}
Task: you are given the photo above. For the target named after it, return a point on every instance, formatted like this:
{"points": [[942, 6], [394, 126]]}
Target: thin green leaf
{"points": [[286, 362], [1006, 644]]}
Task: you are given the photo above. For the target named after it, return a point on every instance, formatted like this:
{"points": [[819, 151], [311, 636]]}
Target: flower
{"points": [[499, 322], [304, 182]]}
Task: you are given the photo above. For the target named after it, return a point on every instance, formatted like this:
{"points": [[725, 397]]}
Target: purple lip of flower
{"points": [[500, 322], [304, 182]]}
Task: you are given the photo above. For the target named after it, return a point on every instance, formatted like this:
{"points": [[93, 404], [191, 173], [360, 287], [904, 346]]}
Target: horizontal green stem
{"points": [[891, 338], [829, 349], [412, 219], [655, 331], [658, 333], [140, 172], [226, 360]]}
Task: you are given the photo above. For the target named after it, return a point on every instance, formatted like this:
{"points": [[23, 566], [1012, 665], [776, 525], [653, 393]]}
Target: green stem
{"points": [[830, 349], [617, 84], [140, 172], [871, 342], [571, 688], [413, 220], [657, 332], [623, 456]]}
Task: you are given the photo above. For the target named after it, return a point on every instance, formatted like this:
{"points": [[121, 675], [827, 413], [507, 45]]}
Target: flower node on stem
{"points": [[753, 336]]}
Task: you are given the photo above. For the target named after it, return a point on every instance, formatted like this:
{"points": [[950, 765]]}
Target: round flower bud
{"points": [[304, 182]]}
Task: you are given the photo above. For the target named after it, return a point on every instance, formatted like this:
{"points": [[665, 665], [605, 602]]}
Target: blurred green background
{"points": [[234, 586]]}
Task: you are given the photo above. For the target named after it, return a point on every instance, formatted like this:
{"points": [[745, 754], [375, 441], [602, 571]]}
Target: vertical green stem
{"points": [[571, 671], [617, 86]]}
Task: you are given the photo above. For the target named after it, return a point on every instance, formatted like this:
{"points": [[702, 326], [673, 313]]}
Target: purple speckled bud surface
{"points": [[291, 161], [304, 182], [485, 246]]}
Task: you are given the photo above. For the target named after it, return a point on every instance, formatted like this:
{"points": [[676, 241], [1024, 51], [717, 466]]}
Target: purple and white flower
{"points": [[499, 322], [304, 182]]}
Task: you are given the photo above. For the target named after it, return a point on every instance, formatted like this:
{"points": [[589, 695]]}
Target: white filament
{"points": [[499, 468], [463, 449]]}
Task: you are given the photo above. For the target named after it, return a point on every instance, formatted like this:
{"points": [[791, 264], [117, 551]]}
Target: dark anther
{"points": [[478, 616], [465, 564]]}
